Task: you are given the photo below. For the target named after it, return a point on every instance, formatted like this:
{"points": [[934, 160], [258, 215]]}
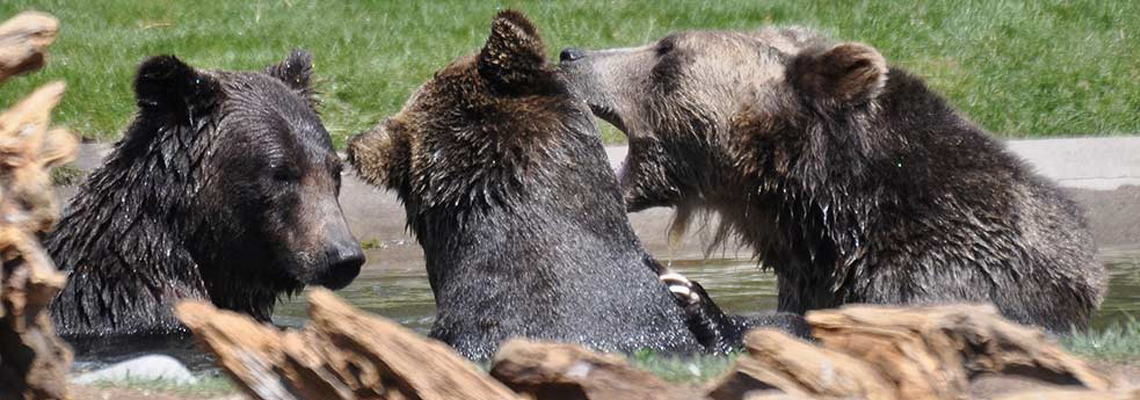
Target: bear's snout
{"points": [[344, 260]]}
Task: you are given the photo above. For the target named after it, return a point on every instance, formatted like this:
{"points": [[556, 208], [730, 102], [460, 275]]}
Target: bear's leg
{"points": [[717, 331]]}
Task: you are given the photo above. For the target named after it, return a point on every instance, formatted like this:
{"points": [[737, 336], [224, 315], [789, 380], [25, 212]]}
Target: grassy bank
{"points": [[208, 386], [1019, 67], [1119, 342]]}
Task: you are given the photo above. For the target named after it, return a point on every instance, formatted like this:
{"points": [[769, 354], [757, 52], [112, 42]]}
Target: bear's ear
{"points": [[297, 73], [166, 85], [380, 156], [844, 75], [514, 53]]}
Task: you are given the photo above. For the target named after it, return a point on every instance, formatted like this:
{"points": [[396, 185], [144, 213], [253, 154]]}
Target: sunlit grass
{"points": [[208, 386], [1019, 68], [698, 368], [1120, 341]]}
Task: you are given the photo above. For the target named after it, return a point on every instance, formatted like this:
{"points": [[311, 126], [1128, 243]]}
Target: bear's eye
{"points": [[286, 174], [664, 47]]}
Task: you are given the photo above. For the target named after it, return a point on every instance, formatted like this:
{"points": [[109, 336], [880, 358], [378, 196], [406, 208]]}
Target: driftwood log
{"points": [[23, 42], [33, 361], [1133, 394], [873, 353], [906, 353], [778, 361], [567, 371], [949, 345], [342, 354]]}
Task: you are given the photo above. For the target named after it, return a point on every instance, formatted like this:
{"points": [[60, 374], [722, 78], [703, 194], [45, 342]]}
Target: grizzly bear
{"points": [[508, 190], [224, 187], [851, 179]]}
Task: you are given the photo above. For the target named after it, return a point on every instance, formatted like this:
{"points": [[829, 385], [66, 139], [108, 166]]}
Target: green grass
{"points": [[697, 369], [1117, 342], [65, 175], [208, 386], [371, 244], [1018, 67]]}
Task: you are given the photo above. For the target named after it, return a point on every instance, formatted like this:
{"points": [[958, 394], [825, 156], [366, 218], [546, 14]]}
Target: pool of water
{"points": [[1123, 299], [395, 286], [737, 285]]}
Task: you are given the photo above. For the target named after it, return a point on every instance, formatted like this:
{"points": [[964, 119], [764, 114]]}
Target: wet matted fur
{"points": [[508, 190], [850, 178], [224, 187]]}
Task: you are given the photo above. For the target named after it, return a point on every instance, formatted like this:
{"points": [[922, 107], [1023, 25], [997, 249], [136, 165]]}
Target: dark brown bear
{"points": [[508, 190], [224, 187], [849, 178]]}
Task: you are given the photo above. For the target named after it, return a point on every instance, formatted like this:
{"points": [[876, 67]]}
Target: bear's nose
{"points": [[344, 262], [570, 54]]}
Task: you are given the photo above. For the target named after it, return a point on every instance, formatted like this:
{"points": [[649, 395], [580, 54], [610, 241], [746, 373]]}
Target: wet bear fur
{"points": [[850, 178], [223, 188], [508, 190]]}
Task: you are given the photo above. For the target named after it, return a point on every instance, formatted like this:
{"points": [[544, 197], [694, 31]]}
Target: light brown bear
{"points": [[851, 179]]}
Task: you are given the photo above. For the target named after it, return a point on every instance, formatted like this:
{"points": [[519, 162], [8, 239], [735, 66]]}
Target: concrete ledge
{"points": [[1084, 163], [1102, 174]]}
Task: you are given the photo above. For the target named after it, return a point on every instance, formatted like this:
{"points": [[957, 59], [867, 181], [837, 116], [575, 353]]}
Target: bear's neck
{"points": [[123, 237], [533, 224]]}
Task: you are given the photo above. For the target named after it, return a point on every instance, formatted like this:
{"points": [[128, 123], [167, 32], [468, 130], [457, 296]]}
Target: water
{"points": [[394, 284], [402, 293], [1123, 299]]}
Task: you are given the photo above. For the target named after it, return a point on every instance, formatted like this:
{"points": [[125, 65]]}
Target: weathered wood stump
{"points": [[778, 361], [1075, 395], [864, 353], [948, 345], [903, 353], [342, 354], [33, 361], [23, 42], [549, 371]]}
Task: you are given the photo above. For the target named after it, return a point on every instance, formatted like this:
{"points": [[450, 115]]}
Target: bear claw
{"points": [[681, 287]]}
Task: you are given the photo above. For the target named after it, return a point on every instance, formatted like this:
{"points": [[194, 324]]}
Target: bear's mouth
{"points": [[621, 169], [609, 115]]}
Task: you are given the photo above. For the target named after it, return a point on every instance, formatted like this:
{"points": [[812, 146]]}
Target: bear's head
{"points": [[261, 176], [482, 132], [701, 108]]}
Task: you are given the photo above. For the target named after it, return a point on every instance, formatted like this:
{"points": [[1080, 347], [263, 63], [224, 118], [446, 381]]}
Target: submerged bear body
{"points": [[516, 243]]}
